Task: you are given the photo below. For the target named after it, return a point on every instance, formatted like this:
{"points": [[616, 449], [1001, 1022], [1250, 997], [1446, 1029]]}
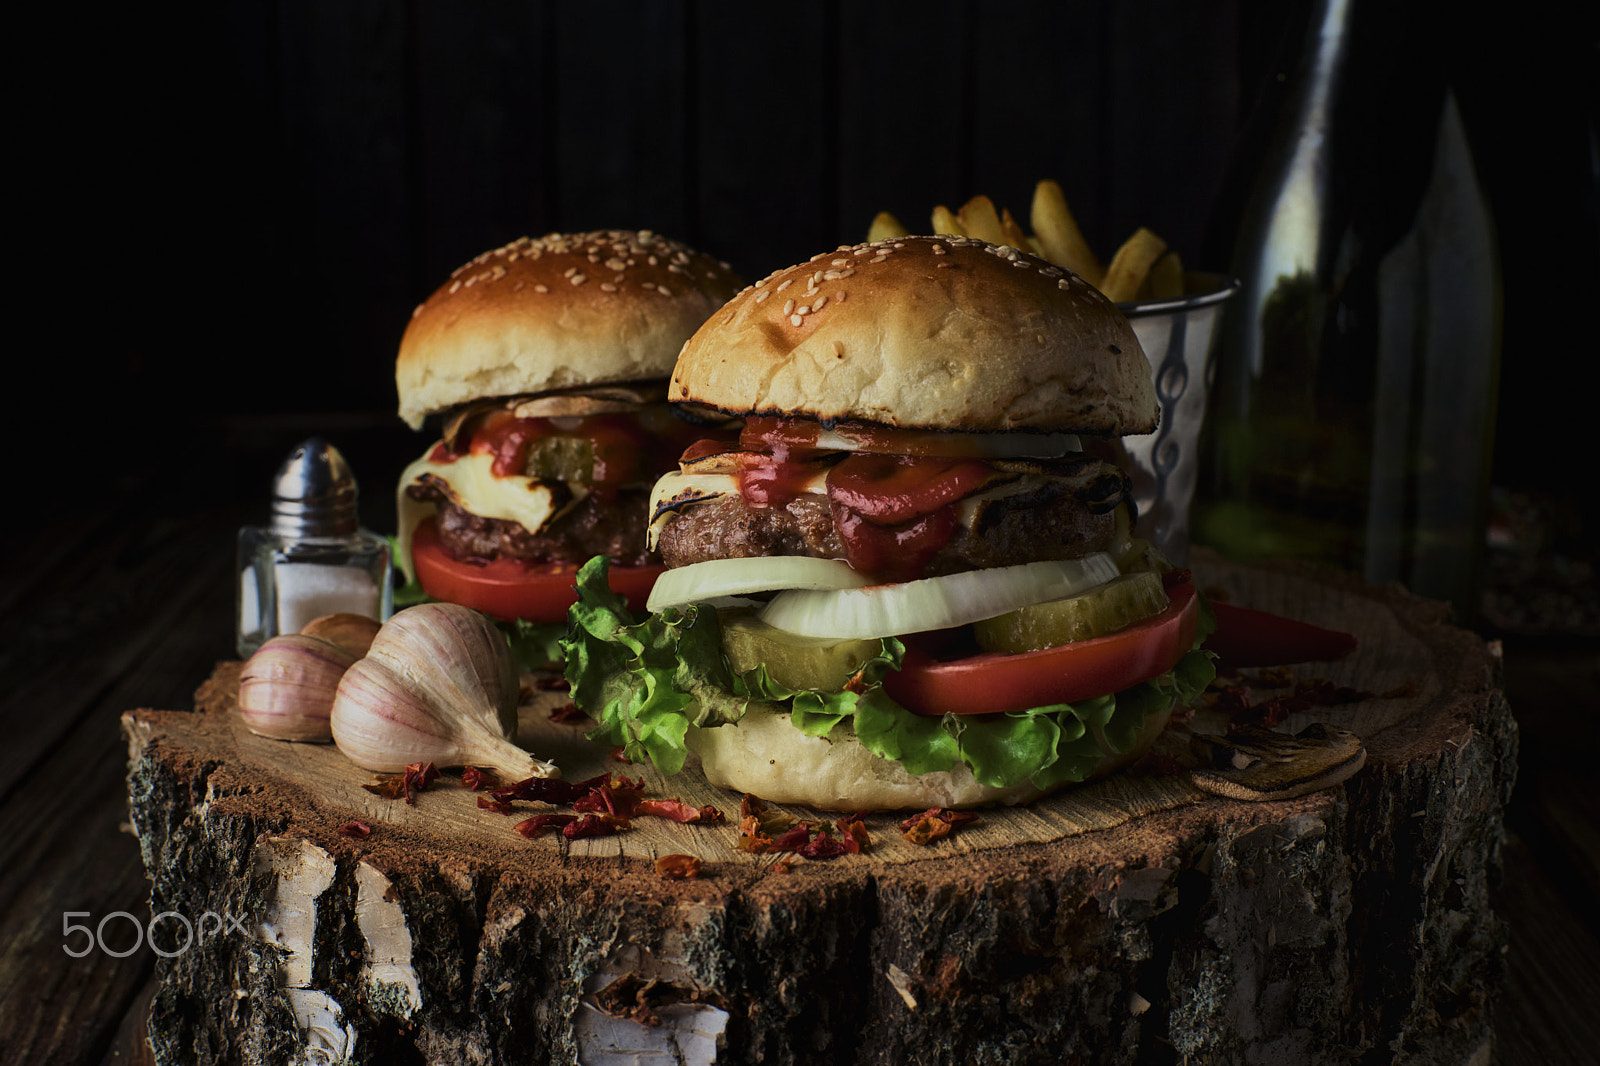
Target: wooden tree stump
{"points": [[1135, 920]]}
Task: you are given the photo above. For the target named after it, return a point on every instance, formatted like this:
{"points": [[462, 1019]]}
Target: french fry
{"points": [[945, 222], [979, 219], [1058, 235], [1014, 234], [1130, 265], [884, 227], [1166, 278]]}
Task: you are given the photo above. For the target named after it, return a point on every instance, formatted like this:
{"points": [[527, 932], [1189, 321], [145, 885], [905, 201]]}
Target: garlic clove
{"points": [[352, 632], [438, 685], [287, 688]]}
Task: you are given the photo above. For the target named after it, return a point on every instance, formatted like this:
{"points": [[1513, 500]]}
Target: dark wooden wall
{"points": [[236, 204]]}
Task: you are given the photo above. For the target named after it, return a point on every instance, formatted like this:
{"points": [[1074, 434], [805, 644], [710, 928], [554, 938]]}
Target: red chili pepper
{"points": [[1246, 637]]}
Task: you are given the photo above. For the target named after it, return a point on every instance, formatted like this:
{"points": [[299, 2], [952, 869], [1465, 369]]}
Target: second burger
{"points": [[548, 360]]}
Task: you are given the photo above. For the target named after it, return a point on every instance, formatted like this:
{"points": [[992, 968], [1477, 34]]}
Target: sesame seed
{"points": [[785, 285], [606, 286], [569, 272], [456, 287], [762, 296], [839, 296], [663, 290], [579, 279], [616, 264], [541, 288], [838, 349], [818, 305], [803, 309], [795, 320], [877, 259], [788, 306]]}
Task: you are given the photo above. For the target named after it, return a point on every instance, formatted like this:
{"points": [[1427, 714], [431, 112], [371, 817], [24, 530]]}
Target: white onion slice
{"points": [[714, 578], [934, 602]]}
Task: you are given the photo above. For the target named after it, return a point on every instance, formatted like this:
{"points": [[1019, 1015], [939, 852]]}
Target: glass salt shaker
{"points": [[314, 558]]}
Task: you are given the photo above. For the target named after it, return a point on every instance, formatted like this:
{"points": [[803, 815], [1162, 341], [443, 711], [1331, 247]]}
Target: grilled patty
{"points": [[1058, 520]]}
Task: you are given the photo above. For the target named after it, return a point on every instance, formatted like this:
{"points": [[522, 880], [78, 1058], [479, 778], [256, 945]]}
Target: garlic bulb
{"points": [[286, 688], [438, 685], [352, 632]]}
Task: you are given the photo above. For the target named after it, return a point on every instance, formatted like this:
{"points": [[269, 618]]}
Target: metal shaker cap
{"points": [[314, 493]]}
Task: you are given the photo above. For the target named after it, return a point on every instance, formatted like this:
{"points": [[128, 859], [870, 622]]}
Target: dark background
{"points": [[226, 212]]}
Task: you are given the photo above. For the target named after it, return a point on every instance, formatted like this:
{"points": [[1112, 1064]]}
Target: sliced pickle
{"points": [[791, 661], [1104, 609], [561, 459]]}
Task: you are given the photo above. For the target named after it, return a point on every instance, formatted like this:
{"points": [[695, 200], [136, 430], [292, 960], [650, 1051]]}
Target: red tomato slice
{"points": [[507, 589], [995, 682]]}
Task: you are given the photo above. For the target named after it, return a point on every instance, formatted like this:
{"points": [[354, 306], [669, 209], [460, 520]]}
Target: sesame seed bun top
{"points": [[560, 311], [945, 333]]}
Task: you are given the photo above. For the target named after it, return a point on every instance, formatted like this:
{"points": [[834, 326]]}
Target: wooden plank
{"points": [[65, 846], [619, 101], [483, 163], [902, 119], [765, 141]]}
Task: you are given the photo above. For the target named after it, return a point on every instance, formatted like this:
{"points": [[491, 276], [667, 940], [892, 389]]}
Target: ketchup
{"points": [[893, 512], [624, 451]]}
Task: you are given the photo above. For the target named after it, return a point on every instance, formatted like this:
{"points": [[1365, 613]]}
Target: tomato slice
{"points": [[508, 589], [994, 682]]}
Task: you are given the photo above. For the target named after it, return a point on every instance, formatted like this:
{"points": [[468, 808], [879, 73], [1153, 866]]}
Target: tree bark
{"points": [[1136, 920]]}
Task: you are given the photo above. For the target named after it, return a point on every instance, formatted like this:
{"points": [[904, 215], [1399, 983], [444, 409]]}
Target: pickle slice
{"points": [[791, 661], [1104, 609]]}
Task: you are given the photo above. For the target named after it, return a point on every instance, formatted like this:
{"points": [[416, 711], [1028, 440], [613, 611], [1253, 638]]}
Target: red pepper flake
{"points": [[679, 811], [416, 778], [593, 825], [678, 867], [552, 683], [933, 823], [620, 754], [618, 798], [532, 827], [548, 789], [479, 780], [567, 714], [854, 833], [490, 803], [357, 830]]}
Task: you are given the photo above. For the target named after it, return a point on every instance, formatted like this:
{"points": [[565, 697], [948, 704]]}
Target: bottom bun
{"points": [[767, 757]]}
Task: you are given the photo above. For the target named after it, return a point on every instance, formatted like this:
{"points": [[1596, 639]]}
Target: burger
{"points": [[911, 582], [547, 361]]}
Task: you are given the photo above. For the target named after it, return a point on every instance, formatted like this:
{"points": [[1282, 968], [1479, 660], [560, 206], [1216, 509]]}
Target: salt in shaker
{"points": [[314, 558]]}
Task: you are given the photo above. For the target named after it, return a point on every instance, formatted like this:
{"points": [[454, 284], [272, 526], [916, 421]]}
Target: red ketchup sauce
{"points": [[893, 512], [625, 452]]}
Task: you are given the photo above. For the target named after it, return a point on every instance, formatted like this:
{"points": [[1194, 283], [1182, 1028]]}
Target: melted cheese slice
{"points": [[474, 486]]}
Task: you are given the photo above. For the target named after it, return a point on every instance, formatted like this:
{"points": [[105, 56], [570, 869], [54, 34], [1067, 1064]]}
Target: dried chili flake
{"points": [[417, 777], [592, 825], [823, 846], [679, 811], [618, 797], [552, 683], [678, 867], [491, 803], [549, 790], [478, 780], [357, 830], [532, 827], [932, 824], [853, 832], [567, 714], [620, 754]]}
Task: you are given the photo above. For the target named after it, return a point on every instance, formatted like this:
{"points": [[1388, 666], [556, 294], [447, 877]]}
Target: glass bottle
{"points": [[314, 558], [1352, 416]]}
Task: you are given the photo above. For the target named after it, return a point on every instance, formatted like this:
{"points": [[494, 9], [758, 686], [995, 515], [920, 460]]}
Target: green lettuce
{"points": [[645, 681]]}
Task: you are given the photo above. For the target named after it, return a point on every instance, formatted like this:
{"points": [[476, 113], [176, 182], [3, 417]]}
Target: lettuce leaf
{"points": [[644, 682]]}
